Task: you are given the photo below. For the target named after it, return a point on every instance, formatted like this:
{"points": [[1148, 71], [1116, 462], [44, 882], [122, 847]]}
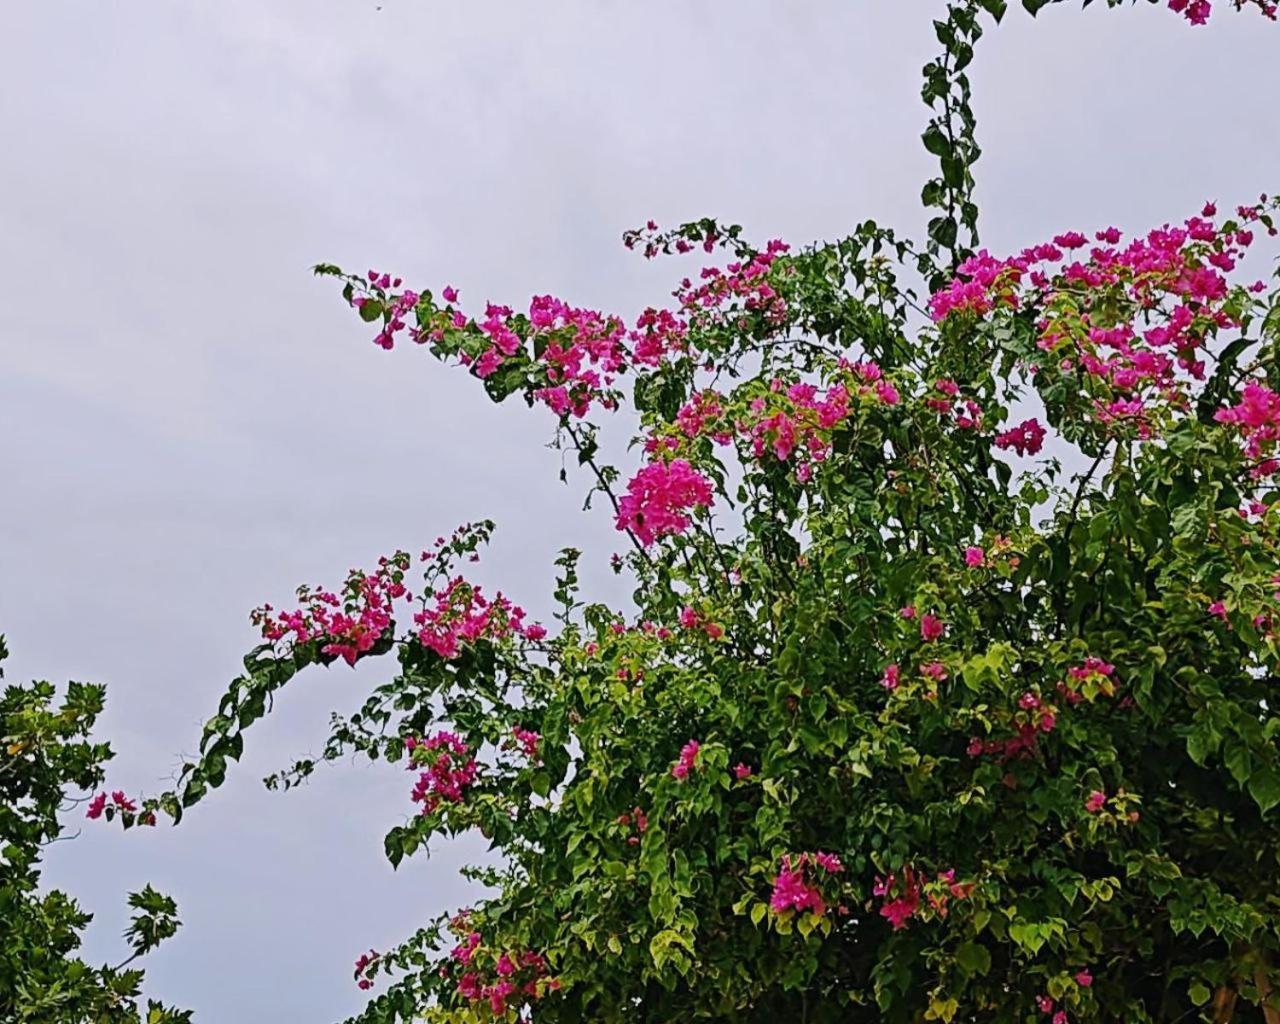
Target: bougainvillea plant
{"points": [[47, 758], [946, 692]]}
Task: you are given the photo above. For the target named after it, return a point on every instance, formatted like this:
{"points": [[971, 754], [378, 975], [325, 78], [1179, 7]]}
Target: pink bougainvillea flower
{"points": [[688, 758], [659, 497], [1027, 438]]}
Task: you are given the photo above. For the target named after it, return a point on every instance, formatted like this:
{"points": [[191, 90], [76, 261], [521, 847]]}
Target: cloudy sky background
{"points": [[191, 424]]}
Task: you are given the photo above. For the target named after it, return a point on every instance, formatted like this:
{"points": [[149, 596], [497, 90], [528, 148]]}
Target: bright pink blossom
{"points": [[449, 769], [1027, 438], [528, 741], [791, 891], [658, 498], [931, 628], [688, 759]]}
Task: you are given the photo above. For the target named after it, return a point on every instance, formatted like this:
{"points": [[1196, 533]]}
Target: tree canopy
{"points": [[946, 690]]}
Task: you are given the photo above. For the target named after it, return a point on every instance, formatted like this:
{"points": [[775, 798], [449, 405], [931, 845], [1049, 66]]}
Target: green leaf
{"points": [[973, 958], [1264, 787], [935, 141]]}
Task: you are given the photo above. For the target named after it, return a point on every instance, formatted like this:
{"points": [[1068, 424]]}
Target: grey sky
{"points": [[190, 424]]}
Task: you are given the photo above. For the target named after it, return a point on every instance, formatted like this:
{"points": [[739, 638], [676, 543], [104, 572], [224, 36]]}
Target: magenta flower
{"points": [[658, 498], [688, 758], [791, 891], [1027, 438], [829, 862]]}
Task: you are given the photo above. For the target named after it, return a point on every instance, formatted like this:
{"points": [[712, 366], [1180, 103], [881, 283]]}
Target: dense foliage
{"points": [[46, 754], [946, 692]]}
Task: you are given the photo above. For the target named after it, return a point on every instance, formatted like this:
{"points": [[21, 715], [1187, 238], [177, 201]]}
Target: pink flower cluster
{"points": [[577, 353], [1027, 438], [1045, 1003], [657, 334], [462, 614], [791, 421], [931, 628], [984, 283], [1132, 320], [688, 760], [397, 307], [363, 963], [1198, 12], [901, 897], [659, 497], [794, 890], [1036, 716], [1090, 668], [119, 802], [499, 980], [1023, 743], [1257, 418], [679, 241], [944, 399], [447, 769], [690, 618], [584, 352], [347, 625], [1093, 672], [748, 283], [528, 741], [934, 672]]}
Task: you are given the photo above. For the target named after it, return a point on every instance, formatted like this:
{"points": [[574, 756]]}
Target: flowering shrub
{"points": [[927, 709]]}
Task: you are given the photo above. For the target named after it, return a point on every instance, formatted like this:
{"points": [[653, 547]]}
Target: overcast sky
{"points": [[191, 424]]}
